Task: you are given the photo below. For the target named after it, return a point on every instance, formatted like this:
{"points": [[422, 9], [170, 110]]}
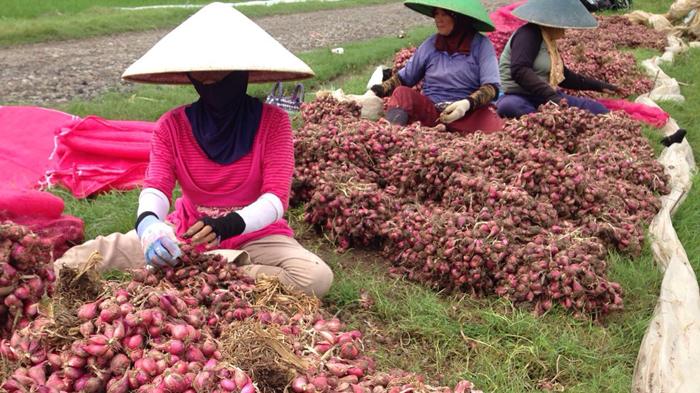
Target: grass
{"points": [[500, 347], [24, 22]]}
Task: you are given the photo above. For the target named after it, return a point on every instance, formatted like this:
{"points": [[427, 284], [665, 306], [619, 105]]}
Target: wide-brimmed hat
{"points": [[472, 9], [217, 38], [566, 14]]}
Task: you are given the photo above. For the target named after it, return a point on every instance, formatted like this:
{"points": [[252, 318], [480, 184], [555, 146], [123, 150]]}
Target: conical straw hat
{"points": [[567, 14], [217, 38]]}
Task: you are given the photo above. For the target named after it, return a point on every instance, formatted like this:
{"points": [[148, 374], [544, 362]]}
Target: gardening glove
{"points": [[455, 111], [158, 242]]}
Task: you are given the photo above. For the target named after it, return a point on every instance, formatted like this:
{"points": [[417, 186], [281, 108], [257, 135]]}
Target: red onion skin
{"points": [[209, 347], [118, 385], [175, 383], [148, 365], [119, 364], [299, 384], [87, 311], [73, 372], [240, 378], [202, 382], [37, 373], [228, 385], [249, 388]]}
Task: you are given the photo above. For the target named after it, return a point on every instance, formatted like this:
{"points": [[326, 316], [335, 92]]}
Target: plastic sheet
{"points": [[669, 356]]}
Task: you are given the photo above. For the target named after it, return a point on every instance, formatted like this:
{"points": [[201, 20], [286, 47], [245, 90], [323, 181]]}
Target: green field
{"points": [[500, 347]]}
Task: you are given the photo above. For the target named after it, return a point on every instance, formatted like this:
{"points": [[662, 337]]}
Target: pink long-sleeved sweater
{"points": [[213, 189]]}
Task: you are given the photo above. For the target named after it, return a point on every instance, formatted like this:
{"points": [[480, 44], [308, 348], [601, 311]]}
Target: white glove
{"points": [[158, 241], [455, 111]]}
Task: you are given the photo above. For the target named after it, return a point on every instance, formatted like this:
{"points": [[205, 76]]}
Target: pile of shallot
{"points": [[26, 275], [170, 331], [528, 213]]}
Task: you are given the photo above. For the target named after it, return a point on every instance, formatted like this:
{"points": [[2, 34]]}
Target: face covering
{"points": [[460, 38], [225, 119]]}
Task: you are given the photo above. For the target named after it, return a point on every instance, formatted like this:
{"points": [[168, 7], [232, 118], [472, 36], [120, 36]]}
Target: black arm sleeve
{"points": [[524, 48], [227, 226], [576, 81]]}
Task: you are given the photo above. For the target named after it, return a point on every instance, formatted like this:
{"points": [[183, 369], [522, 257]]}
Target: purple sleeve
{"points": [[414, 70], [488, 64], [524, 47]]}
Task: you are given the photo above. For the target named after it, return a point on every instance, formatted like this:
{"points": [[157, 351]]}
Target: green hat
{"points": [[469, 8], [566, 14]]}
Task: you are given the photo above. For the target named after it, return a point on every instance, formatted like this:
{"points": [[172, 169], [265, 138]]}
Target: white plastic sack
{"points": [[669, 356], [665, 87], [674, 47]]}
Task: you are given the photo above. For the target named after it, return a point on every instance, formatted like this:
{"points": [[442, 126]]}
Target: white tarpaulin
{"points": [[669, 356]]}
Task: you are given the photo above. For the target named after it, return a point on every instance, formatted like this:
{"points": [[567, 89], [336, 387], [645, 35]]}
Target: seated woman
{"points": [[459, 70], [231, 154], [531, 67]]}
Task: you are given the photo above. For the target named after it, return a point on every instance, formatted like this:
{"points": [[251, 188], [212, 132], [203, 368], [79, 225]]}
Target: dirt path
{"points": [[46, 73]]}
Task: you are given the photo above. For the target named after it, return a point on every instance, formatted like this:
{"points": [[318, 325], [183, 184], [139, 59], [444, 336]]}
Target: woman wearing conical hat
{"points": [[458, 67], [231, 155], [531, 67]]}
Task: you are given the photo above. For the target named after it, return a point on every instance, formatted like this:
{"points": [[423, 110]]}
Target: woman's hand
{"points": [[455, 111], [609, 88], [200, 233], [158, 242]]}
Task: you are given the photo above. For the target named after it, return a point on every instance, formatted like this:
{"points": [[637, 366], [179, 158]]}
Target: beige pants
{"points": [[275, 255]]}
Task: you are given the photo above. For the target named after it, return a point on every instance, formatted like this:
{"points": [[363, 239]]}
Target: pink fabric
{"points": [[28, 139], [648, 114], [504, 20], [213, 189], [506, 23], [96, 155]]}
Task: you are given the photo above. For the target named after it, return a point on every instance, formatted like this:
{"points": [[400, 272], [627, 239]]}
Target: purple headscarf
{"points": [[225, 119]]}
